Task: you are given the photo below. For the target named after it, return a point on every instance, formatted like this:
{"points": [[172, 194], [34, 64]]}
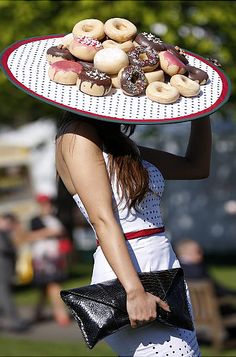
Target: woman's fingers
{"points": [[163, 304]]}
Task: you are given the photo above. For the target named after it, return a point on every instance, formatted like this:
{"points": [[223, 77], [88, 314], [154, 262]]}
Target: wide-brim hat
{"points": [[25, 65]]}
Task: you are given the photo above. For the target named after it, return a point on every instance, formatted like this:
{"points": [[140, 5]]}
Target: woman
{"points": [[118, 187]]}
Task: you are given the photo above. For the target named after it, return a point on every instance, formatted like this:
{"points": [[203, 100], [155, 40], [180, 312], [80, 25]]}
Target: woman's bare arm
{"points": [[196, 162]]}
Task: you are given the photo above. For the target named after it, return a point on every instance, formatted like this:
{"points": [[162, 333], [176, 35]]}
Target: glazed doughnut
{"points": [[132, 80], [162, 93], [197, 74], [59, 53], [110, 60], [94, 82], [171, 64], [90, 28], [149, 40], [125, 46], [119, 29], [177, 52], [185, 86], [64, 72], [144, 57], [66, 40], [155, 76], [85, 48]]}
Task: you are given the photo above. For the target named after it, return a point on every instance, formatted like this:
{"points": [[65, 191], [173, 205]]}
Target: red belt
{"points": [[142, 233]]}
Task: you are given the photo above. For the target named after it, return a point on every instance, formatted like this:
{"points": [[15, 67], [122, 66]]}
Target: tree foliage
{"points": [[204, 27]]}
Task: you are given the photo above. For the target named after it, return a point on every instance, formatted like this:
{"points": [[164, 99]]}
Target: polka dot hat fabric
{"points": [[25, 65]]}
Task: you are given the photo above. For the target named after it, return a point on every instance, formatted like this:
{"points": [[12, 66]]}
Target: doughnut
{"points": [[177, 52], [171, 64], [185, 86], [197, 74], [119, 29], [132, 80], [144, 57], [85, 48], [59, 53], [149, 40], [115, 81], [94, 82], [155, 76], [162, 92], [111, 60], [66, 40], [90, 28], [64, 72], [125, 46]]}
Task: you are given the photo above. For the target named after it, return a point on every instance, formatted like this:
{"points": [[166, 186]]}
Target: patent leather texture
{"points": [[100, 309]]}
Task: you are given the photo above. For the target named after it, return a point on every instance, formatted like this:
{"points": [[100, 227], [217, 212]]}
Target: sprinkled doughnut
{"points": [[125, 46], [185, 86], [111, 60], [85, 48], [94, 82], [64, 72], [119, 29], [90, 28], [162, 92], [146, 58], [59, 53], [197, 74], [149, 40], [171, 64], [132, 80]]}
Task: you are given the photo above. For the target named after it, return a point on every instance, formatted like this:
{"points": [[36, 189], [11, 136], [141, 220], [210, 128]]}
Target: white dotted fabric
{"points": [[29, 66]]}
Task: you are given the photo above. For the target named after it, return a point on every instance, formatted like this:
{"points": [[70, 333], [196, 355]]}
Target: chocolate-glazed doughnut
{"points": [[146, 58], [149, 40], [59, 53], [197, 74], [93, 82], [132, 80]]}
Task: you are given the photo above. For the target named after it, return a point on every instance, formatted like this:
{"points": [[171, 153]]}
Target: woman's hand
{"points": [[142, 307]]}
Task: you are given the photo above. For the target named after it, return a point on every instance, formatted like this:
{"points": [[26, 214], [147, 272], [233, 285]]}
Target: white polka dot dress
{"points": [[150, 253]]}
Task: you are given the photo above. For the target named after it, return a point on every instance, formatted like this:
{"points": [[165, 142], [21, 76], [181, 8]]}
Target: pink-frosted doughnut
{"points": [[90, 28], [119, 29], [171, 64], [125, 46], [85, 48], [65, 72]]}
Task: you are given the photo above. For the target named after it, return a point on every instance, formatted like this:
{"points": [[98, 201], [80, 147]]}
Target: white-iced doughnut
{"points": [[125, 46], [187, 87], [154, 76], [90, 28], [110, 60], [162, 93], [119, 29], [85, 48]]}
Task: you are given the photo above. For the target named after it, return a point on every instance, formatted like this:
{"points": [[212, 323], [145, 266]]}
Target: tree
{"points": [[204, 27]]}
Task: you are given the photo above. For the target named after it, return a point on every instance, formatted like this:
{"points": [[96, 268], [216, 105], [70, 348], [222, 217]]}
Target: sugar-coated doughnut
{"points": [[149, 40], [132, 80], [90, 28], [171, 64], [66, 40], [146, 58], [197, 74], [119, 29], [110, 60], [94, 82], [154, 76], [85, 48], [125, 46], [162, 93], [185, 86], [59, 53], [65, 72]]}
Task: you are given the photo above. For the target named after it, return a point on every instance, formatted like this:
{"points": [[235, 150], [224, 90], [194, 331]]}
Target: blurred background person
{"points": [[49, 257], [11, 319]]}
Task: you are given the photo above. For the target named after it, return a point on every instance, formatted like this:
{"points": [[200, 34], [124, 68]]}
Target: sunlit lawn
{"points": [[20, 347]]}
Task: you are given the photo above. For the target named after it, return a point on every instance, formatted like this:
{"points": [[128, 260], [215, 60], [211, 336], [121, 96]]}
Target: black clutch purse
{"points": [[100, 309]]}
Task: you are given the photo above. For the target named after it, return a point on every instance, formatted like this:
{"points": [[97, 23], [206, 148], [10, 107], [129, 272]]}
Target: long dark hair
{"points": [[124, 156]]}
